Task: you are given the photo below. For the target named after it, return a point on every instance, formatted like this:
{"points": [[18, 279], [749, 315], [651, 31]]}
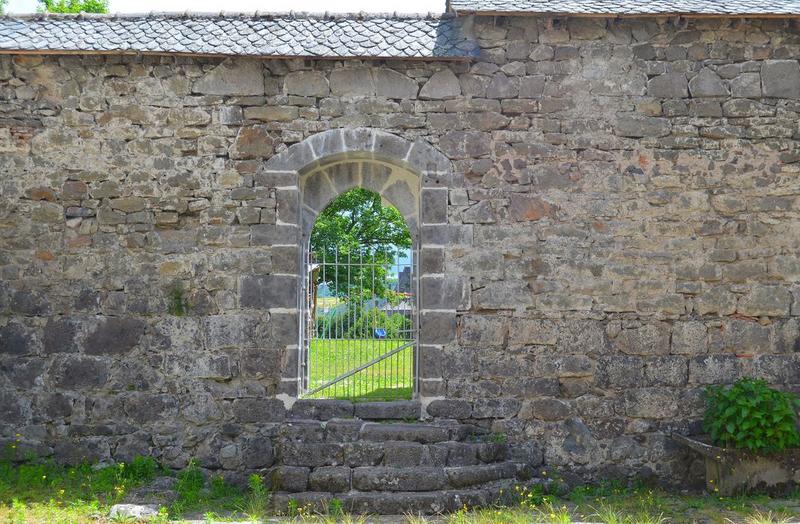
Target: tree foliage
{"points": [[359, 239], [73, 6]]}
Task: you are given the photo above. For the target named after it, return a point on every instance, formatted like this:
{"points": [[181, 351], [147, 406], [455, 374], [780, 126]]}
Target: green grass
{"points": [[391, 379], [43, 492]]}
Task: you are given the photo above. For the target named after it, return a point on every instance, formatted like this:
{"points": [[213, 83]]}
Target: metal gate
{"points": [[359, 335]]}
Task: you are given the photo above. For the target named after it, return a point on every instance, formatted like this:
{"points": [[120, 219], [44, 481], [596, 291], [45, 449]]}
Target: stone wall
{"points": [[622, 229]]}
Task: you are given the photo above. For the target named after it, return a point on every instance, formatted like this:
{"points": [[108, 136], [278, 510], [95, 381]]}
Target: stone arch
{"points": [[414, 177]]}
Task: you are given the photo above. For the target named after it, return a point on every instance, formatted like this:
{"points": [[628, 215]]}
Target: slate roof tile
{"points": [[630, 7], [301, 35]]}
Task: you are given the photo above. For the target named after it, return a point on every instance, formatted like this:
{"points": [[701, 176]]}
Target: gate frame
{"points": [[424, 206]]}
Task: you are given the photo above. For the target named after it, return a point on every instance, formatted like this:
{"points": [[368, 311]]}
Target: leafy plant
{"points": [[751, 415]]}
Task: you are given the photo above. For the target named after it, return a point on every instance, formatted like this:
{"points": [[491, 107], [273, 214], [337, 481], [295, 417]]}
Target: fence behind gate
{"points": [[360, 325]]}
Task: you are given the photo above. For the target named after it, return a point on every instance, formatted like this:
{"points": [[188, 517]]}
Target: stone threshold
{"points": [[327, 409]]}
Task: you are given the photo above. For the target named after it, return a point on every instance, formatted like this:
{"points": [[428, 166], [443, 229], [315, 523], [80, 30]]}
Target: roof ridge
{"points": [[232, 14]]}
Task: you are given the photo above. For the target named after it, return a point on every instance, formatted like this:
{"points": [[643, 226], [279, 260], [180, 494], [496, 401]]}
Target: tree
{"points": [[358, 238], [3, 6], [73, 6]]}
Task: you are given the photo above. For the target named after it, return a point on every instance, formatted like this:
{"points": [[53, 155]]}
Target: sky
{"points": [[213, 6]]}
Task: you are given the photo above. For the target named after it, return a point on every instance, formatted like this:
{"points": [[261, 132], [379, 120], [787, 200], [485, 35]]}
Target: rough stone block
{"points": [[323, 409], [714, 369], [399, 479], [450, 408], [306, 83], [258, 410], [289, 478], [268, 291], [407, 432], [14, 338], [352, 82], [310, 454], [437, 327], [707, 83], [114, 336], [402, 454], [400, 409], [434, 206], [232, 77], [332, 479], [765, 301], [444, 292], [392, 84], [780, 78], [441, 85], [474, 475], [649, 339], [668, 85], [636, 126]]}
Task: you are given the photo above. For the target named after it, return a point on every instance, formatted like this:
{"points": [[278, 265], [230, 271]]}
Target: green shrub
{"points": [[751, 415]]}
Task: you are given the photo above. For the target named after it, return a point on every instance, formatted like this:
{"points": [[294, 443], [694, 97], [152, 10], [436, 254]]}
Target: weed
{"points": [[256, 502], [292, 508], [335, 508], [760, 517], [177, 301]]}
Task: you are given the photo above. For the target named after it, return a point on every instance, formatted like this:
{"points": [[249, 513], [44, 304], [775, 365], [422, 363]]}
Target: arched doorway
{"points": [[360, 314], [413, 177]]}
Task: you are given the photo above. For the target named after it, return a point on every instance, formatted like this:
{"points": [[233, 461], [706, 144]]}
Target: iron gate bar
{"points": [[338, 333], [362, 367]]}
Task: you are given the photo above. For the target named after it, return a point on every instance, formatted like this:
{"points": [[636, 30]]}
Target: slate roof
{"points": [[752, 8], [275, 35]]}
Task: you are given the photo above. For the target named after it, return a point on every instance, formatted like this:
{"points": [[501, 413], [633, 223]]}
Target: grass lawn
{"points": [[45, 493], [391, 379]]}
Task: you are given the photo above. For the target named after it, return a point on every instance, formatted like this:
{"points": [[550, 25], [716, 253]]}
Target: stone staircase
{"points": [[376, 461]]}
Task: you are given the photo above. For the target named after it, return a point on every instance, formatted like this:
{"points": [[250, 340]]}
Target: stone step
{"points": [[395, 502], [351, 430], [393, 453], [340, 479], [327, 409]]}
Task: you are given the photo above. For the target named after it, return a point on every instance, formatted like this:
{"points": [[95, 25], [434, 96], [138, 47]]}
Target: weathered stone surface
{"points": [[306, 83], [707, 83], [525, 208], [441, 85], [333, 479], [114, 336], [780, 78], [399, 479], [391, 84], [232, 77], [400, 409], [765, 301], [258, 410], [252, 142], [352, 82], [669, 85], [642, 126], [457, 409]]}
